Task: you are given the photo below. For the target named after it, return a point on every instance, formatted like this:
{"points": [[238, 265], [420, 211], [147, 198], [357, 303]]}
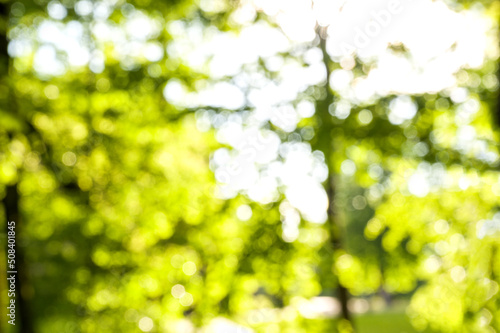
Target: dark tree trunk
{"points": [[23, 316], [324, 143], [11, 200]]}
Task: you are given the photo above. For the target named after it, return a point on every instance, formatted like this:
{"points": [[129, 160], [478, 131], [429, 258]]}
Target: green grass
{"points": [[386, 322], [394, 321]]}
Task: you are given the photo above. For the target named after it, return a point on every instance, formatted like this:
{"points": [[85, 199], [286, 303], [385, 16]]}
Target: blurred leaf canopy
{"points": [[119, 121]]}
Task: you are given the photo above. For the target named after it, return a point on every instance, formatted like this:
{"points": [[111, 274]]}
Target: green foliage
{"points": [[121, 228]]}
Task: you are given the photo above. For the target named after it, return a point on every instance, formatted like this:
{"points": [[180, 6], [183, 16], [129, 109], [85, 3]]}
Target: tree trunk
{"points": [[11, 200], [324, 143], [23, 316]]}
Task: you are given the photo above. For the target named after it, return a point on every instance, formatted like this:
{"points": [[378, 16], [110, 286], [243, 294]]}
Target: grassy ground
{"points": [[388, 322], [394, 321]]}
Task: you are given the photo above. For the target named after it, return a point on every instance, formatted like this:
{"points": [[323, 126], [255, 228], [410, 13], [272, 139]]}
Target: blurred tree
{"points": [[396, 159], [102, 161]]}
